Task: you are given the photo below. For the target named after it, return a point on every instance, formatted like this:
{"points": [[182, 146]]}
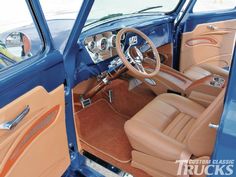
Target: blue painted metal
{"points": [[28, 74], [226, 142], [178, 32], [71, 49], [39, 70], [41, 24], [206, 17], [159, 28], [138, 21], [70, 58]]}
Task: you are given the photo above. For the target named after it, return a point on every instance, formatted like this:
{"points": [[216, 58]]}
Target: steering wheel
{"points": [[133, 58]]}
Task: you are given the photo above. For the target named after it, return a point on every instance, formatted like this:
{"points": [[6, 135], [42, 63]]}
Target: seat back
{"points": [[201, 138]]}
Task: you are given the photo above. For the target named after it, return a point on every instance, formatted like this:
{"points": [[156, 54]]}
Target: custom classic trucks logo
{"points": [[205, 167]]}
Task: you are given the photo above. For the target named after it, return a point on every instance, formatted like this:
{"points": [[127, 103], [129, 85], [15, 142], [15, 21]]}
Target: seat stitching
{"points": [[184, 127], [172, 118], [170, 124], [186, 136], [185, 117]]}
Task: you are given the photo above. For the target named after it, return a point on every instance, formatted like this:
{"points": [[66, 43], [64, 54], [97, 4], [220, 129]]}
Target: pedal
{"points": [[110, 95], [133, 83], [85, 103]]}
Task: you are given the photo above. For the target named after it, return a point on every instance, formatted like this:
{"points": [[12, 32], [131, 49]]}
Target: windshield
{"points": [[103, 9]]}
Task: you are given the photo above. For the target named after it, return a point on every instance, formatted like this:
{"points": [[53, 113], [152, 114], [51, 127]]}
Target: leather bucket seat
{"points": [[171, 128]]}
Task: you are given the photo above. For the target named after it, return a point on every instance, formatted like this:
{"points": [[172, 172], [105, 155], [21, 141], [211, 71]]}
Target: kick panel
{"points": [[38, 142]]}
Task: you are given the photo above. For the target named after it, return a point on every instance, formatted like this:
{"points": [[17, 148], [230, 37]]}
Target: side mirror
{"points": [[18, 44]]}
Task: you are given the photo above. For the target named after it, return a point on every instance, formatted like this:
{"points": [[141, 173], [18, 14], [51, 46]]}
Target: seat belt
{"points": [[184, 160]]}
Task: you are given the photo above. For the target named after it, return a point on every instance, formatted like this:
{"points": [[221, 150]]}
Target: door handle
{"points": [[214, 126], [213, 28], [11, 124]]}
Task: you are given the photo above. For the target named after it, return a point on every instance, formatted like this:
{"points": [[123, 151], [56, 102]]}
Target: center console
{"points": [[203, 91]]}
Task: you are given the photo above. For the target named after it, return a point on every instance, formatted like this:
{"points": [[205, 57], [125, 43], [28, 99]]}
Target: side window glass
{"points": [[214, 5], [19, 38]]}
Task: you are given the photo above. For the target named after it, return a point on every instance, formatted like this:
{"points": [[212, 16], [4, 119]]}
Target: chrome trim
{"points": [[99, 44], [11, 124], [214, 126], [214, 28]]}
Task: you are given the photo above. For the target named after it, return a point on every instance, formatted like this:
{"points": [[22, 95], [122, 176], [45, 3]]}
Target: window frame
{"points": [[45, 44]]}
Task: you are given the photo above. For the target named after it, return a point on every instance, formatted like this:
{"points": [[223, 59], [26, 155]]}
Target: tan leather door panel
{"points": [[211, 43], [37, 146]]}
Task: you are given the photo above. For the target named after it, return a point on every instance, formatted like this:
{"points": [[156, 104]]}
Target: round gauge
{"points": [[112, 41], [103, 44], [91, 45]]}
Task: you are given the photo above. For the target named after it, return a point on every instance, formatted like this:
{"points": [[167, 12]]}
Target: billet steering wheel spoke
{"points": [[140, 68]]}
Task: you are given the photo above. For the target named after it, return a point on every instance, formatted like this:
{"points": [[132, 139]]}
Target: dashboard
{"points": [[102, 46], [97, 44]]}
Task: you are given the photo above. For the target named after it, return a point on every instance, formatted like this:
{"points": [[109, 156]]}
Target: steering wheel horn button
{"points": [[133, 40]]}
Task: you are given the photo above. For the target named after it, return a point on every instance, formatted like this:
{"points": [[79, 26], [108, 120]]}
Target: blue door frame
{"points": [[226, 136], [70, 57]]}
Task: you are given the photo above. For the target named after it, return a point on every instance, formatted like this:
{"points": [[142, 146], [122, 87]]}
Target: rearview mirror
{"points": [[18, 44]]}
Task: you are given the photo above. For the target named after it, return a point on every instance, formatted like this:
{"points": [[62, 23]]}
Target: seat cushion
{"points": [[161, 127]]}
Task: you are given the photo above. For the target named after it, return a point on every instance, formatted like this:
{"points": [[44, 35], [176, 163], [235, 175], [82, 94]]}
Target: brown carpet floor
{"points": [[129, 102], [102, 128], [101, 125]]}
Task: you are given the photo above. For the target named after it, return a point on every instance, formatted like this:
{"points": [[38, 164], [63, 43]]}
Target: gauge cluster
{"points": [[101, 46]]}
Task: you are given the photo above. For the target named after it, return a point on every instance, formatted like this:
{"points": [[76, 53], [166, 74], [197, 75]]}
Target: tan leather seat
{"points": [[170, 128], [203, 70]]}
